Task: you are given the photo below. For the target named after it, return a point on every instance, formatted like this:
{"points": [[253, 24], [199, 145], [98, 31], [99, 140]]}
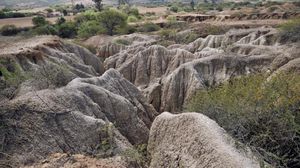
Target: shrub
{"points": [[67, 30], [219, 8], [133, 11], [86, 16], [178, 37], [39, 21], [90, 28], [128, 29], [60, 20], [174, 9], [215, 30], [187, 9], [122, 42], [263, 115], [137, 156], [149, 27], [45, 30], [168, 34], [9, 30], [132, 19], [290, 31]]}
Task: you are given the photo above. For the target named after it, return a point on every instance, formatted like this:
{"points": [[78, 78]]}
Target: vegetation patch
{"points": [[290, 31], [262, 114], [11, 77]]}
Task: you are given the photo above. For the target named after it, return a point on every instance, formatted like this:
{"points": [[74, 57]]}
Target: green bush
{"points": [[130, 11], [132, 19], [168, 34], [9, 30], [67, 30], [149, 27], [39, 21], [263, 115], [290, 31], [45, 30], [90, 28], [219, 8], [174, 8], [127, 29], [86, 16]]}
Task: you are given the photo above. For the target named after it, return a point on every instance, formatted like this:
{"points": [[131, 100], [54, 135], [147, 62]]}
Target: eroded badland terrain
{"points": [[175, 84]]}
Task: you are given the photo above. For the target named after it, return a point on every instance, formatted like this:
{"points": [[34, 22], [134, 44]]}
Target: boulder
{"points": [[195, 141]]}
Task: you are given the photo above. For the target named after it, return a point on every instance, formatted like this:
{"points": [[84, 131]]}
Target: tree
{"points": [[193, 5], [49, 10], [67, 30], [9, 30], [79, 7], [98, 4], [60, 20], [39, 21], [111, 20], [65, 12]]}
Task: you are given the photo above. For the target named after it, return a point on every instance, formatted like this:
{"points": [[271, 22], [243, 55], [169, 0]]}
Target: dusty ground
{"points": [[26, 21], [157, 10]]}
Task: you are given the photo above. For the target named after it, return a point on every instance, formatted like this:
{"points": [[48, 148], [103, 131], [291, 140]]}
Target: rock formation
{"points": [[47, 62], [195, 141], [60, 103], [81, 117], [115, 45], [170, 76]]}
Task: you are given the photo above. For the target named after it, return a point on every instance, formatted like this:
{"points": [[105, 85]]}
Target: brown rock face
{"points": [[193, 140]]}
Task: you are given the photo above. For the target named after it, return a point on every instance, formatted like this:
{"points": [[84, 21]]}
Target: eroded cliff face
{"points": [[78, 110], [44, 62], [98, 116], [170, 76]]}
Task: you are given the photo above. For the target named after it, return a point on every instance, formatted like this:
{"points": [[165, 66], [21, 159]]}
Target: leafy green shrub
{"points": [[39, 21], [86, 16], [67, 30], [9, 30], [127, 29], [174, 8], [132, 19], [45, 30], [290, 31], [149, 27], [90, 28], [263, 115]]}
